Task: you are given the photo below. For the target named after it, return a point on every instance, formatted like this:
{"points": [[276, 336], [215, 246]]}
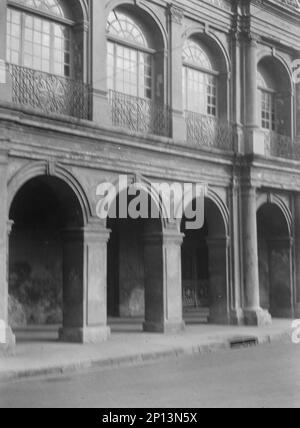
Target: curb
{"points": [[143, 358]]}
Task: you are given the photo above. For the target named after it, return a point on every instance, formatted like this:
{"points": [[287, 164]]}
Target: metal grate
{"points": [[139, 114], [50, 93], [206, 131]]}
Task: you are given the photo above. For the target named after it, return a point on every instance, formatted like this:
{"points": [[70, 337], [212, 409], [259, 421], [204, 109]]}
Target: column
{"points": [[163, 284], [85, 285], [235, 249], [255, 138], [101, 110], [7, 339], [219, 280], [5, 84], [253, 314], [297, 256], [175, 72]]}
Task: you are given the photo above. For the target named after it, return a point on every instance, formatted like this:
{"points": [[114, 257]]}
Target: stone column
{"points": [[236, 312], [297, 255], [219, 280], [175, 72], [6, 334], [85, 289], [5, 83], [101, 110], [255, 138], [253, 314], [163, 284]]}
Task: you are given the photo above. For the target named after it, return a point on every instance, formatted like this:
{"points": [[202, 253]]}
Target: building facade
{"points": [[161, 91]]}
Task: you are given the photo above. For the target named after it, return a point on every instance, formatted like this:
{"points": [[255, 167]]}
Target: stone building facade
{"points": [[166, 91]]}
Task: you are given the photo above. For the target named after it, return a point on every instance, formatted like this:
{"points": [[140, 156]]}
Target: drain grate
{"points": [[243, 342]]}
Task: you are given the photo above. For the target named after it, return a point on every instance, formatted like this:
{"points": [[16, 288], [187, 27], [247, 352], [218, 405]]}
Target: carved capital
{"points": [[176, 14]]}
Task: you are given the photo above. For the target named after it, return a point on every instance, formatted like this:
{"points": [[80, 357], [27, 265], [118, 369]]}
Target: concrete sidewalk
{"points": [[128, 345]]}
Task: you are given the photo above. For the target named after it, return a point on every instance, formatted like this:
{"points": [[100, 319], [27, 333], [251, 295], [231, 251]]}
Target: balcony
{"points": [[209, 132], [139, 114], [48, 93], [294, 4], [281, 146]]}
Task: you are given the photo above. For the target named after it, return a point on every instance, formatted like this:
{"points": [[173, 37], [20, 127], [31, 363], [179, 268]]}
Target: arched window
{"points": [[129, 57], [40, 37], [199, 80], [267, 102]]}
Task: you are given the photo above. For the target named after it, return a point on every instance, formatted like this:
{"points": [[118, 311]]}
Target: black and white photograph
{"points": [[149, 207]]}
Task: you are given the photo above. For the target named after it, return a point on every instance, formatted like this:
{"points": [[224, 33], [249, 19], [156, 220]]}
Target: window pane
{"points": [[13, 36]]}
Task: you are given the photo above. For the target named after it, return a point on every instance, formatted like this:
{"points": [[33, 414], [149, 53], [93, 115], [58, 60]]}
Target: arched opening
{"points": [[205, 92], [205, 269], [275, 258], [275, 97], [134, 267], [136, 70], [45, 265]]}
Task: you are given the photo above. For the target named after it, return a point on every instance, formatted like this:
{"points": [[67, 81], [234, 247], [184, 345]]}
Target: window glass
{"points": [[51, 6], [129, 69], [199, 82], [38, 43]]}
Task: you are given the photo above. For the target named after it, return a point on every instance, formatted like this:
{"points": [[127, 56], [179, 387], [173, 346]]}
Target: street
{"points": [[265, 376]]}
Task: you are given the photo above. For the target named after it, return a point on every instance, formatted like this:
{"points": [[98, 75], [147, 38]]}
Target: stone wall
{"points": [[35, 280]]}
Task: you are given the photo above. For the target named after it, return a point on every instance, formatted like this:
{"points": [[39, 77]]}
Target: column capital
{"points": [[176, 14]]}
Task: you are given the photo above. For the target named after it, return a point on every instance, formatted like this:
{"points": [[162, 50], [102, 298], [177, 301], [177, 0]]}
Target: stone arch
{"points": [[44, 168], [264, 54], [213, 41], [276, 200]]}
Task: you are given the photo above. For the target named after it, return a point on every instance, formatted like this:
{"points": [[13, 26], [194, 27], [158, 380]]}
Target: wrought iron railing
{"points": [[295, 4], [49, 93], [139, 114], [209, 132], [282, 146]]}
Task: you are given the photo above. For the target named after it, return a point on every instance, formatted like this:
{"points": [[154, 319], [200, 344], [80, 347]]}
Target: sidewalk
{"points": [[128, 345]]}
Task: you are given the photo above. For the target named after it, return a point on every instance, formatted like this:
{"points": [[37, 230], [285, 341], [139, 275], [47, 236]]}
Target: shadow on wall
{"points": [[35, 297]]}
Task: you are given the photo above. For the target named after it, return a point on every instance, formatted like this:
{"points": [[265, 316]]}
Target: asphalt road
{"points": [[265, 376]]}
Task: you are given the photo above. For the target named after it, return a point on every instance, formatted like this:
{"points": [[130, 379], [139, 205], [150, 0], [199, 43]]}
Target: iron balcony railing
{"points": [[49, 93], [209, 132], [295, 4], [282, 146], [139, 114]]}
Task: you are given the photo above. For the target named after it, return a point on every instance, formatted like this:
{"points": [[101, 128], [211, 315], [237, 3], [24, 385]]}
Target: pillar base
{"points": [[84, 334], [8, 348], [297, 311], [237, 317], [257, 317], [169, 327]]}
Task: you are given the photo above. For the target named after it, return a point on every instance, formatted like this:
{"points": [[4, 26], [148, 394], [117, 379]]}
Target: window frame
{"points": [[186, 66], [273, 109], [139, 49], [52, 19]]}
